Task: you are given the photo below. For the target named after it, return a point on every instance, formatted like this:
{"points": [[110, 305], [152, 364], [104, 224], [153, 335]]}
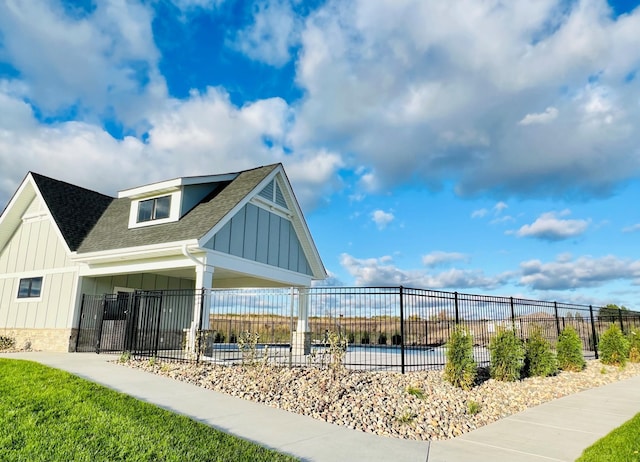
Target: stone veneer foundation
{"points": [[43, 339]]}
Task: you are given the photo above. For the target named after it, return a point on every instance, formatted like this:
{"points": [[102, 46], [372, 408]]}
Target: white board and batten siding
{"points": [[259, 235], [36, 250]]}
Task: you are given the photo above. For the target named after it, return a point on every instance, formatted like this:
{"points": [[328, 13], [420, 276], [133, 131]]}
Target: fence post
{"points": [[555, 308], [104, 306], [158, 320], [291, 304], [80, 322], [401, 329], [198, 339], [620, 319], [593, 331], [456, 307], [513, 315]]}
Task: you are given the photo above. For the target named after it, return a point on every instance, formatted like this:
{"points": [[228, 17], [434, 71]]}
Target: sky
{"points": [[486, 147]]}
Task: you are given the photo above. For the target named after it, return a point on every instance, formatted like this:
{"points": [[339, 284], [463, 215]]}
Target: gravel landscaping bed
{"points": [[417, 405]]}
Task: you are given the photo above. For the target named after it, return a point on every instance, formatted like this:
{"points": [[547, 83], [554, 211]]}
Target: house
{"points": [[60, 242]]}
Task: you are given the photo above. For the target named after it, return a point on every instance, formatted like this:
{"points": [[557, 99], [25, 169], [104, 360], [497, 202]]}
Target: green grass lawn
{"points": [[48, 414], [621, 445]]}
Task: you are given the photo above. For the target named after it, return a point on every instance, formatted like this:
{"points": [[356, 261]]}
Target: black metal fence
{"points": [[385, 328]]}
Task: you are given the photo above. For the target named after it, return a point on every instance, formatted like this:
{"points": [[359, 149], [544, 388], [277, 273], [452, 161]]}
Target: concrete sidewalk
{"points": [[558, 430]]}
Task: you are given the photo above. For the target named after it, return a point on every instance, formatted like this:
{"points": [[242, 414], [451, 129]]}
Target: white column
{"points": [[301, 340], [204, 280]]}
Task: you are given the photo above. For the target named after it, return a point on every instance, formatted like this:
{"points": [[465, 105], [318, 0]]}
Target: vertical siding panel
{"points": [[51, 239], [4, 258], [148, 281], [64, 301], [262, 246], [134, 281], [162, 282], [22, 246], [13, 251], [51, 307], [37, 245], [237, 233], [283, 258], [5, 297], [294, 247], [27, 250], [223, 238], [274, 239], [251, 232]]}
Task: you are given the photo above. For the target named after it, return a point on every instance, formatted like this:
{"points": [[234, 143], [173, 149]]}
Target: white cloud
{"points": [[631, 229], [480, 213], [438, 258], [551, 228], [191, 137], [566, 273], [382, 272], [382, 218], [500, 207], [272, 34], [103, 60], [541, 118], [421, 91]]}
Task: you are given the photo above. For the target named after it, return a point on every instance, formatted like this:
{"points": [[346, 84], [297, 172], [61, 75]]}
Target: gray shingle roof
{"points": [[76, 210], [111, 230]]}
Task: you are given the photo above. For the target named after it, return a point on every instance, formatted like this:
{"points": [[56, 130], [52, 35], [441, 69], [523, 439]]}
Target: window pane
{"points": [[23, 290], [163, 204], [36, 284], [145, 210]]}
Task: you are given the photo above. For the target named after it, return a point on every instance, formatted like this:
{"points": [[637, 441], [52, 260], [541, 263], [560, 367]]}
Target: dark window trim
{"points": [[32, 291], [154, 209]]}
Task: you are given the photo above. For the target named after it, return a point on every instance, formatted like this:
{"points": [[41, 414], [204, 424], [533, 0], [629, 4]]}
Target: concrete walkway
{"points": [[555, 431]]}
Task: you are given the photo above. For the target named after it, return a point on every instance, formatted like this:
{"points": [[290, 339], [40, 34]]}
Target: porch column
{"points": [[301, 341], [204, 280]]}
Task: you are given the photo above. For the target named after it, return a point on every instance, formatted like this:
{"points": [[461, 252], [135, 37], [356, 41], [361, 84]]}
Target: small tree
{"points": [[634, 346], [539, 360], [507, 356], [569, 351], [461, 369], [613, 347]]}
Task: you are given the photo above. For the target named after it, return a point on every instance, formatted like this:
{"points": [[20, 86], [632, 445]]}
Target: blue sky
{"points": [[485, 147]]}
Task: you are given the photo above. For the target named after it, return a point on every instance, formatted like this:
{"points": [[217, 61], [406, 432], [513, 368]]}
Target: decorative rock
{"points": [[378, 402]]}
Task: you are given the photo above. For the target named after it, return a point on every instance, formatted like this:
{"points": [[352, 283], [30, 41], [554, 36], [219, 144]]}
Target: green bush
{"points": [[539, 360], [634, 346], [613, 347], [461, 369], [569, 351], [507, 356]]}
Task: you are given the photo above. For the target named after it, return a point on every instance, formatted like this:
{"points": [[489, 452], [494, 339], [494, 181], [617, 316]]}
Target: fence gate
{"points": [[107, 322]]}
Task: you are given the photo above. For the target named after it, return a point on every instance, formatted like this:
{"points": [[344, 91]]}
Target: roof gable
{"points": [[75, 210]]}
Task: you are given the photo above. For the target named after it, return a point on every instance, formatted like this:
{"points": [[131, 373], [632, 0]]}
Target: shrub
{"points": [[539, 360], [569, 351], [7, 343], [507, 356], [473, 407], [613, 347], [382, 339], [461, 369], [634, 346]]}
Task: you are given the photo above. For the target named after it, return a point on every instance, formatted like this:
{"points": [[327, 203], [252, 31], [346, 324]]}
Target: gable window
{"points": [[154, 209], [30, 287]]}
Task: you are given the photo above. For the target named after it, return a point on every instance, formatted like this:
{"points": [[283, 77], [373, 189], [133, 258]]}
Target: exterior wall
{"points": [[140, 281], [43, 339], [259, 235], [35, 250], [193, 194]]}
